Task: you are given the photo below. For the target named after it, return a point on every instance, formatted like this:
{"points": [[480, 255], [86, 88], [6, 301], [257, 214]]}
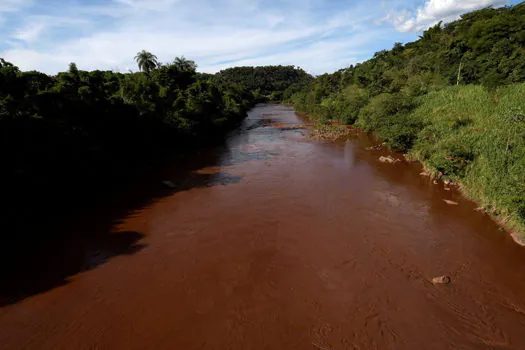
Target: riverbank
{"points": [[476, 138], [67, 140], [326, 130], [337, 131], [44, 250], [452, 99], [274, 240], [467, 135], [39, 215]]}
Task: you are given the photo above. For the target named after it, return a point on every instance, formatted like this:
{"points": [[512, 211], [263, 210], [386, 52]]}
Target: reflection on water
{"points": [[349, 153], [279, 242]]}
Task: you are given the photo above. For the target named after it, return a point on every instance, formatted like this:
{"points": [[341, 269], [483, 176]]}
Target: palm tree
{"points": [[73, 69], [146, 61], [184, 64]]}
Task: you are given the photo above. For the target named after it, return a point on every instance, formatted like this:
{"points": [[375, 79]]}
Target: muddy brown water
{"points": [[274, 241]]}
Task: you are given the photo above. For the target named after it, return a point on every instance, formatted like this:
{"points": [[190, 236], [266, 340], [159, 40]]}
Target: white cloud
{"points": [[106, 50], [30, 32], [316, 58], [216, 34], [38, 25], [434, 11]]}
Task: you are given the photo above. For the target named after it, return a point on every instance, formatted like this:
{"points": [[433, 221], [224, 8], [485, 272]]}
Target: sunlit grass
{"points": [[477, 137]]}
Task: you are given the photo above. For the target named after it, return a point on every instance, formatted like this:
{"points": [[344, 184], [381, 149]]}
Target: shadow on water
{"points": [[49, 265], [196, 180], [42, 254]]}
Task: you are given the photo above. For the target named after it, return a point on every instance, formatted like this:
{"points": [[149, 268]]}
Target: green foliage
{"points": [[381, 109], [270, 82], [484, 47], [146, 61], [387, 115], [478, 137], [453, 99], [346, 105], [184, 65], [80, 129]]}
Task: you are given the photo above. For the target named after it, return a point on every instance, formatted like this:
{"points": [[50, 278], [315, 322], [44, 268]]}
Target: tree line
{"points": [[76, 133], [452, 99], [273, 83]]}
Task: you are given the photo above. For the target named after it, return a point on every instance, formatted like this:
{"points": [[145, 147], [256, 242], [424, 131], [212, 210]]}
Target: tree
{"points": [[146, 61], [184, 64], [73, 69]]}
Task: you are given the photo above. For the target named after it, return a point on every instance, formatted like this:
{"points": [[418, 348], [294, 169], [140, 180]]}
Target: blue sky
{"points": [[317, 35]]}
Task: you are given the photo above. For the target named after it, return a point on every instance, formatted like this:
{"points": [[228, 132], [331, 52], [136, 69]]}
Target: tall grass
{"points": [[469, 134], [477, 137]]}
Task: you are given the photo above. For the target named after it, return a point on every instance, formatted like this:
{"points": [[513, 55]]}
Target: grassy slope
{"points": [[473, 133], [478, 138]]}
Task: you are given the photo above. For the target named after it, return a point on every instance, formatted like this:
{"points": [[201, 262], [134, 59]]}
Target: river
{"points": [[274, 241]]}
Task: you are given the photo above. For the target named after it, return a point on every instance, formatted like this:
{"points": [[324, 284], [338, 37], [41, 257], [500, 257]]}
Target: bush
{"points": [[348, 103], [381, 109]]}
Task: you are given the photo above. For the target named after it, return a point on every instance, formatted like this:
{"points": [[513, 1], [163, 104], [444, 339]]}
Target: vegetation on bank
{"points": [[452, 99], [66, 137], [477, 136]]}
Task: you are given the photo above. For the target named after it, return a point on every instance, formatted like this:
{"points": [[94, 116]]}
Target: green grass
{"points": [[469, 134], [408, 96], [477, 137]]}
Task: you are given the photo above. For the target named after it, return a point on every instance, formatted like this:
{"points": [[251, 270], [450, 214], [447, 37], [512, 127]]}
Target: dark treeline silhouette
{"points": [[75, 131], [68, 138], [452, 99], [73, 143]]}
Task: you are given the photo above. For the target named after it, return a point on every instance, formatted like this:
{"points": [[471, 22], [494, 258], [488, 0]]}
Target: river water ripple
{"points": [[274, 241]]}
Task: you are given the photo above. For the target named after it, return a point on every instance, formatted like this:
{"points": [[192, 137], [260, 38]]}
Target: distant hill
{"points": [[269, 81]]}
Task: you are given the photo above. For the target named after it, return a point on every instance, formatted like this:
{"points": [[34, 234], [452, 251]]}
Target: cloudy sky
{"points": [[317, 35]]}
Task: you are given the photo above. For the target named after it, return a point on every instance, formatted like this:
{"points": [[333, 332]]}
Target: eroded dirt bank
{"points": [[274, 241]]}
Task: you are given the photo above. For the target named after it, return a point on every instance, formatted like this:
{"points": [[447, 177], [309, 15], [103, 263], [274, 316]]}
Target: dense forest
{"points": [[454, 99], [78, 133], [269, 81]]}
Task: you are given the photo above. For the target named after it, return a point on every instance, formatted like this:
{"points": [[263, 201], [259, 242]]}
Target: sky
{"points": [[317, 35]]}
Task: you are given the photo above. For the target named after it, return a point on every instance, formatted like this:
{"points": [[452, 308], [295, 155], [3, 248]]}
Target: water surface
{"points": [[274, 241]]}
